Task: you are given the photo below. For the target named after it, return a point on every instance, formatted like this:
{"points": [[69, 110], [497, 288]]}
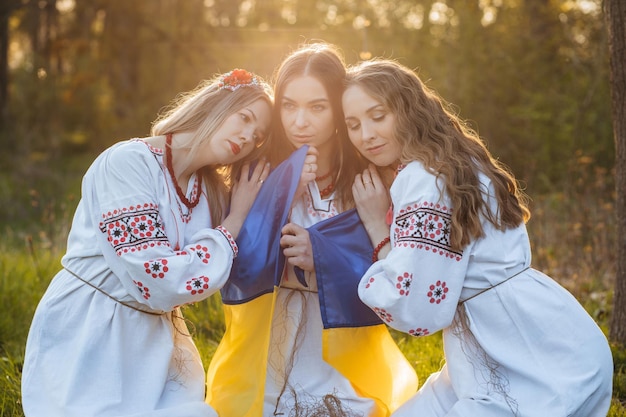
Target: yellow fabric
{"points": [[371, 360], [367, 356], [236, 374]]}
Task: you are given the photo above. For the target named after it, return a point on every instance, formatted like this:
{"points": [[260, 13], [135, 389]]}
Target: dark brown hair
{"points": [[323, 62]]}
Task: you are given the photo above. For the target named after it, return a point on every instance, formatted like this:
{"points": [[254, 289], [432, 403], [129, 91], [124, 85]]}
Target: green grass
{"points": [[25, 273]]}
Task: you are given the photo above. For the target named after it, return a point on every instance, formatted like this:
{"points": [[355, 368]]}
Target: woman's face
{"points": [[306, 113], [240, 133], [370, 127]]}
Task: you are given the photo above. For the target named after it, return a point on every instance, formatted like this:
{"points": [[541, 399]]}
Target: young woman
{"points": [[454, 254], [308, 112], [149, 235], [302, 371]]}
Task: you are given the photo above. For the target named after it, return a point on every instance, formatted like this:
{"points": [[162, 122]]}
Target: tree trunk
{"points": [[615, 16]]}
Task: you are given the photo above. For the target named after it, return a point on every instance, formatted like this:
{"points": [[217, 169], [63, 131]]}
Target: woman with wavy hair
{"points": [[453, 254]]}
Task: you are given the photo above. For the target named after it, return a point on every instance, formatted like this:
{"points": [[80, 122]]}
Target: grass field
{"points": [[571, 234]]}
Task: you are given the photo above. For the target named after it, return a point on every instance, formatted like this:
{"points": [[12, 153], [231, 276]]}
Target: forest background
{"points": [[531, 76]]}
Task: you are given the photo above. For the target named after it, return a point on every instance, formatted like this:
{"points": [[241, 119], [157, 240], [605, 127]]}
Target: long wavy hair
{"points": [[325, 63], [202, 111], [431, 133]]}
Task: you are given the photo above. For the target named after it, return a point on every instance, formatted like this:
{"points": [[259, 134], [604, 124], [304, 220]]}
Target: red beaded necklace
{"points": [[168, 163], [326, 191], [323, 177]]}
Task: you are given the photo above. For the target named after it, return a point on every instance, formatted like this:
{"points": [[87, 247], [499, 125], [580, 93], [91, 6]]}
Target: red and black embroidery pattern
{"points": [[202, 252], [145, 291], [437, 292], [153, 149], [230, 238], [403, 283], [197, 285], [427, 227], [383, 314], [134, 228], [326, 210], [419, 332], [157, 268]]}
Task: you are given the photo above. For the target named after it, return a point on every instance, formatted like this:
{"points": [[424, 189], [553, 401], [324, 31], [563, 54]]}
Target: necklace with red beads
{"points": [[326, 191], [323, 177], [168, 163]]}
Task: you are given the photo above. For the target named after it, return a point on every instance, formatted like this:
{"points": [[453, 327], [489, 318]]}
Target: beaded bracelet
{"points": [[379, 247]]}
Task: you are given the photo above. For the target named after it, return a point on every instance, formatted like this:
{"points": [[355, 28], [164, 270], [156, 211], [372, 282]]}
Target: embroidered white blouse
{"points": [[132, 246], [524, 347]]}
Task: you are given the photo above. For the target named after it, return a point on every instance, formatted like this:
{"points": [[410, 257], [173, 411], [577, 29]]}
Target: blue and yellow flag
{"points": [[354, 340]]}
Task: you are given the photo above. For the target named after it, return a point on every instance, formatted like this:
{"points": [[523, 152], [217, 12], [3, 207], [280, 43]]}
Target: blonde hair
{"points": [[202, 111], [325, 63], [432, 134]]}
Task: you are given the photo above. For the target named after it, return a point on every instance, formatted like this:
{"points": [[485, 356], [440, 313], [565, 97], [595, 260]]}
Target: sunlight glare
{"points": [[331, 16], [414, 19], [489, 16], [592, 7], [64, 6], [16, 54], [245, 6], [588, 6], [289, 15], [439, 13], [360, 22]]}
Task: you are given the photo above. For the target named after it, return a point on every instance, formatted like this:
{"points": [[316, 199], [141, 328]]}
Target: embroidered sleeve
{"points": [[230, 239], [127, 188], [134, 228], [416, 288]]}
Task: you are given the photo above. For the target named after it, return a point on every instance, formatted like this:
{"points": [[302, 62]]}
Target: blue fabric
{"points": [[342, 253], [259, 264]]}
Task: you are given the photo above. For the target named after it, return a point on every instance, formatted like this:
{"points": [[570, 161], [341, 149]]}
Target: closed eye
{"points": [[353, 126]]}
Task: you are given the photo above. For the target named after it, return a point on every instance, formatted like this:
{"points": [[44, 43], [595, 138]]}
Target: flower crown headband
{"points": [[236, 79]]}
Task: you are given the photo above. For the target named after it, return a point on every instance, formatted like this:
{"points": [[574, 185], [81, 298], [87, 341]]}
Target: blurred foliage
{"points": [[530, 76]]}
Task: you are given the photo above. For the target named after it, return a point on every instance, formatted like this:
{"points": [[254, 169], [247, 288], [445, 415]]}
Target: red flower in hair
{"points": [[237, 78]]}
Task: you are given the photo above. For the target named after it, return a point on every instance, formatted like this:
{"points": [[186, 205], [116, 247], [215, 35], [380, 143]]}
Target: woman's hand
{"points": [[243, 194], [297, 247], [309, 171], [372, 203]]}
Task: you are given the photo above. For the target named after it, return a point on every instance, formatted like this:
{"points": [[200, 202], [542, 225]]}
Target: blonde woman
{"points": [[150, 234]]}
